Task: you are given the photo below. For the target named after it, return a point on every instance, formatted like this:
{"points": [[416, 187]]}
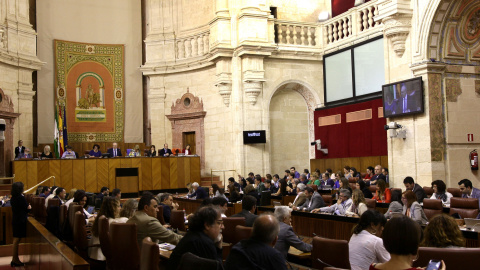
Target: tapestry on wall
{"points": [[89, 84]]}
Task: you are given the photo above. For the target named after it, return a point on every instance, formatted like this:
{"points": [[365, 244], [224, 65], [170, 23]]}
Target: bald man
{"points": [[257, 252]]}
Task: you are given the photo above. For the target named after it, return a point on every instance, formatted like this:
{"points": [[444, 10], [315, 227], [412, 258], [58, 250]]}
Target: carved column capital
{"points": [[396, 29]]}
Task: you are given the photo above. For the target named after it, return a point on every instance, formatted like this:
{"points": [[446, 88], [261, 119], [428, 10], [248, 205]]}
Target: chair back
{"points": [[160, 215], [39, 209], [353, 179], [29, 198], [465, 207], [432, 207], [72, 209], [327, 199], [454, 258], [353, 186], [62, 215], [53, 202], [373, 189], [124, 246], [242, 232], [229, 231], [371, 203], [98, 203], [190, 261], [330, 252], [80, 235], [177, 220], [104, 237], [428, 191], [455, 192], [150, 255], [399, 189], [266, 198]]}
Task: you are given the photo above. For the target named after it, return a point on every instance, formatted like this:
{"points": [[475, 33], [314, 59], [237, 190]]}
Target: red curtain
{"points": [[354, 139], [340, 6]]}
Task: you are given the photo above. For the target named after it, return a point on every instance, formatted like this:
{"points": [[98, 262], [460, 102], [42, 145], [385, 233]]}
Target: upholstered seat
{"points": [[242, 232], [371, 203], [373, 189], [266, 198], [465, 207], [160, 215], [53, 202], [150, 255], [327, 199], [190, 261], [432, 207], [229, 231], [428, 191], [454, 258], [124, 246], [177, 220], [39, 209], [330, 252], [104, 237], [455, 192]]}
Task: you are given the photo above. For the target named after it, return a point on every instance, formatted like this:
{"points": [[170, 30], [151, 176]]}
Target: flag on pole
{"points": [[60, 131], [65, 135], [56, 140]]}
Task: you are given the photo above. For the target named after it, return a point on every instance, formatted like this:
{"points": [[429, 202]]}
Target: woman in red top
{"points": [[401, 238], [369, 174], [383, 194]]}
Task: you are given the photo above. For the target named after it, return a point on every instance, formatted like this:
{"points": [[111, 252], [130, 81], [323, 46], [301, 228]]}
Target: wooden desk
{"points": [[93, 174]]}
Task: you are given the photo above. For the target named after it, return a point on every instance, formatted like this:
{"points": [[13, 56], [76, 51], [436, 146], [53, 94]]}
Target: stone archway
{"points": [[291, 127]]}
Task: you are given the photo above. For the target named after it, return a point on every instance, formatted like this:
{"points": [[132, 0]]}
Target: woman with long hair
{"points": [[128, 210], [234, 195], [412, 209], [20, 209], [396, 206], [442, 232], [80, 198], [218, 192], [110, 209], [440, 193], [383, 194], [365, 245], [354, 173], [358, 206], [282, 188], [152, 152], [360, 185]]}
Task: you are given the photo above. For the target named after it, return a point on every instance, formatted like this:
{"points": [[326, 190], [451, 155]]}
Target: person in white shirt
{"points": [[440, 193], [340, 208], [365, 245]]}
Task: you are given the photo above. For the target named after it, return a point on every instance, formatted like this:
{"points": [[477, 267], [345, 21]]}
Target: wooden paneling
{"points": [[79, 174], [66, 174], [165, 174], [91, 175], [32, 178], [336, 164]]}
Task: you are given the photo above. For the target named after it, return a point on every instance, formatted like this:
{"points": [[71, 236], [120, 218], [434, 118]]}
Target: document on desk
{"points": [[166, 246]]}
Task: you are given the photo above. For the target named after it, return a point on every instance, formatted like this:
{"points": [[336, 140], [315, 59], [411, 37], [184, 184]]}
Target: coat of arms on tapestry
{"points": [[89, 85]]}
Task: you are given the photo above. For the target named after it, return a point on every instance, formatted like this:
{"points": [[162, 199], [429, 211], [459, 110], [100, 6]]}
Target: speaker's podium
{"points": [[126, 179]]}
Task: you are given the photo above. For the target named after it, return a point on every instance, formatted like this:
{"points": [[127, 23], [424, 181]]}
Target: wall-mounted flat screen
{"points": [[254, 136], [403, 98]]}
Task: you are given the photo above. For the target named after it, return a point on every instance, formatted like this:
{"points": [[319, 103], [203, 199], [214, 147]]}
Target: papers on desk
{"points": [[166, 246]]}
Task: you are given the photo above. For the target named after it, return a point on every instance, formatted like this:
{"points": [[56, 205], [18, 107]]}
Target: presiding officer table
{"points": [[91, 174]]}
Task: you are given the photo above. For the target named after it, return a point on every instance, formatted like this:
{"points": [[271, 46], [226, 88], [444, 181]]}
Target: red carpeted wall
{"points": [[354, 139], [340, 6]]}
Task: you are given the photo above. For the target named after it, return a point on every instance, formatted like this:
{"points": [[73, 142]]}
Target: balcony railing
{"points": [[295, 33], [193, 46]]}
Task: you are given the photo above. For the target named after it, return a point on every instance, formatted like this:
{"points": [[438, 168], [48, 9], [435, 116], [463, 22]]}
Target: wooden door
{"points": [[189, 138]]}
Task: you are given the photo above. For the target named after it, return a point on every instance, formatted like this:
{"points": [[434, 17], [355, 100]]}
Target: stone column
{"points": [[25, 107], [156, 110]]}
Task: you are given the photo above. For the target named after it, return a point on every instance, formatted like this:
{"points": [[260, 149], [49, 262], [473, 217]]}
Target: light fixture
{"points": [[323, 16]]}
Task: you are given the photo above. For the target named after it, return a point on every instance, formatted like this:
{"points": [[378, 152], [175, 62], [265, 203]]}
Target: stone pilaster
{"points": [[156, 107], [224, 79]]}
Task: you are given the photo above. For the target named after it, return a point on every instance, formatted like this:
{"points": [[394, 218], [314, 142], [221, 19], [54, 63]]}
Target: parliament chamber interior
{"points": [[234, 134]]}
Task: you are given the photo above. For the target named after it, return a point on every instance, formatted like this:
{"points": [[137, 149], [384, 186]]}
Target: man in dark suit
{"points": [[416, 188], [249, 204], [164, 152], [408, 102], [199, 192], [314, 200], [468, 191], [114, 151], [20, 148]]}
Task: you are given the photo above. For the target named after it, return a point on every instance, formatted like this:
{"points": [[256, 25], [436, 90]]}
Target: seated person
{"points": [[166, 200], [395, 206], [259, 186], [442, 232], [46, 152], [69, 153], [95, 152], [45, 192], [268, 185], [360, 185], [358, 206], [60, 195], [282, 188], [250, 190], [300, 198], [440, 193], [114, 151], [25, 154], [165, 151], [222, 204], [203, 238], [257, 252], [152, 152], [231, 181], [314, 200], [249, 205], [412, 209], [286, 235], [365, 245], [340, 208], [135, 152], [217, 191], [383, 194], [147, 223], [199, 193], [234, 195]]}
